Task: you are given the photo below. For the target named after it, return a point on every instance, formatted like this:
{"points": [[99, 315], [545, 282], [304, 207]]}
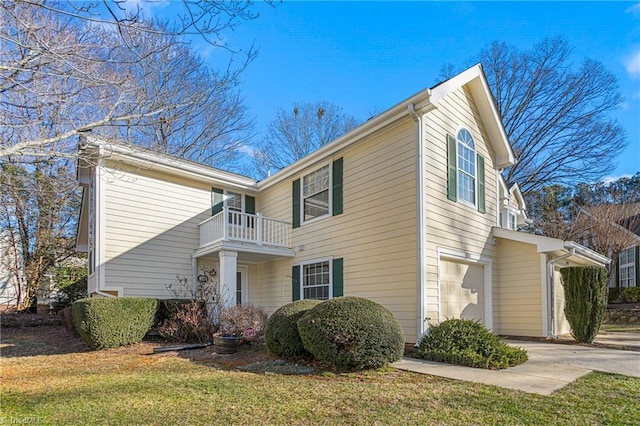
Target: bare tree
{"points": [[602, 216], [297, 132], [38, 204], [90, 53], [608, 229], [556, 114], [69, 67]]}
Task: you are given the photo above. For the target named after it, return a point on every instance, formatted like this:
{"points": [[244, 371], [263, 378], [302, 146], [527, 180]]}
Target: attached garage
{"points": [[464, 288]]}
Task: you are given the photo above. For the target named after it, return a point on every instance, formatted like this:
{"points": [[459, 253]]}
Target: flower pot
{"points": [[226, 344]]}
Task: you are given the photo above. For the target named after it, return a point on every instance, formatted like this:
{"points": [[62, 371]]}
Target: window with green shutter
{"points": [[465, 171], [318, 194], [318, 279]]}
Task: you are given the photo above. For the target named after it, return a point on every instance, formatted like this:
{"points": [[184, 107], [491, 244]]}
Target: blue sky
{"points": [[369, 56]]}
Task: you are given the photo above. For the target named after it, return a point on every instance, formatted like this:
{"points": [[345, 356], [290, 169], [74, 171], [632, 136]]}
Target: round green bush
{"points": [[281, 332], [352, 333], [467, 342]]}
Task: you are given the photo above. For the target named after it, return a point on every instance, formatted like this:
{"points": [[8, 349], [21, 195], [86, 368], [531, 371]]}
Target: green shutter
{"points": [[249, 204], [337, 276], [217, 201], [452, 171], [295, 282], [337, 186], [481, 191], [296, 203]]}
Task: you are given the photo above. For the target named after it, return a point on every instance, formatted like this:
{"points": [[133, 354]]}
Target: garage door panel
{"points": [[462, 290]]}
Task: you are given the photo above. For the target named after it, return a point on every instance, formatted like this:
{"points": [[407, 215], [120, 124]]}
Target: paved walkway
{"points": [[551, 366]]}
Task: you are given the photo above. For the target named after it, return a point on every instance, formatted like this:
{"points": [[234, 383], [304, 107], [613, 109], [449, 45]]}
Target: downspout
{"points": [[552, 294], [99, 227], [421, 315]]}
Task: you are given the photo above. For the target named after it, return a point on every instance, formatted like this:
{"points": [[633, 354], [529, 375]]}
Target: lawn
{"points": [[63, 383]]}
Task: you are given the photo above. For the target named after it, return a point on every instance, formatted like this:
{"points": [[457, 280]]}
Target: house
{"points": [[615, 225], [404, 210]]}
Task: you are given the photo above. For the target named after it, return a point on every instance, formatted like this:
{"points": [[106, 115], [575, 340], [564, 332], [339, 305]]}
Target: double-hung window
{"points": [[319, 279], [627, 268], [315, 193], [465, 171], [318, 194], [316, 280], [466, 167]]}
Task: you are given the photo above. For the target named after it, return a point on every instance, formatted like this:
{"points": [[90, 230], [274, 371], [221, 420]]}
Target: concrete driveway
{"points": [[551, 366]]}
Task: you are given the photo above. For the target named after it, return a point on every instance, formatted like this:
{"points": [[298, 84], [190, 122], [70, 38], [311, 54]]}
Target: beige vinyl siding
{"points": [[518, 293], [561, 325], [376, 234], [454, 225], [151, 229]]}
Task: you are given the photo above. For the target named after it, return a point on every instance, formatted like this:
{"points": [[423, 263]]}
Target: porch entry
{"points": [[241, 286]]}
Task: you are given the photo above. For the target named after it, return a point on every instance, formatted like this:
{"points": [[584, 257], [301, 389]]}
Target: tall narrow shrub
{"points": [[585, 300]]}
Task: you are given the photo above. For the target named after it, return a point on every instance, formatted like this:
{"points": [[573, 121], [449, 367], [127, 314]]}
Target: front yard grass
{"points": [[129, 386]]}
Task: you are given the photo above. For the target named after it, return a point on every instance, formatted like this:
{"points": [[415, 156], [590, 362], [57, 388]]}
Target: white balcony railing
{"points": [[250, 228]]}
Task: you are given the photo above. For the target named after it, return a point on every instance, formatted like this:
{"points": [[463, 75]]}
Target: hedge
{"points": [[281, 331], [352, 333], [111, 322], [585, 300]]}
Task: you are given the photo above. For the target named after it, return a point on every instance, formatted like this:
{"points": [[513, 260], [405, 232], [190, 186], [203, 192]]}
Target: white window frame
{"points": [[461, 147], [329, 191], [329, 260], [629, 266], [512, 220]]}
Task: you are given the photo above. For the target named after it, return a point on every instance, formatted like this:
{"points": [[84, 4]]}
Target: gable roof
{"points": [[425, 100], [475, 79]]}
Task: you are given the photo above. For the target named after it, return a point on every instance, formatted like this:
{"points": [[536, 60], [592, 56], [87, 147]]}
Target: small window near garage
{"points": [[512, 220], [316, 280], [627, 268], [315, 193]]}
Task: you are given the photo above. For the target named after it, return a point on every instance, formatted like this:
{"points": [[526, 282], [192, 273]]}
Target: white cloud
{"points": [[609, 179], [247, 150], [634, 10], [632, 63]]}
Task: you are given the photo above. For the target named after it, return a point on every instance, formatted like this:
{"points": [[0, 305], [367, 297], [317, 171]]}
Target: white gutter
{"points": [[421, 313], [552, 293]]}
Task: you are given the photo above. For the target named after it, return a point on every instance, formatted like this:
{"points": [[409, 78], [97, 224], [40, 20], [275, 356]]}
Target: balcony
{"points": [[243, 232]]}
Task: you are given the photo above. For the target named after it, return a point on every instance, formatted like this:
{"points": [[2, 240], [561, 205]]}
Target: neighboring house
{"points": [[616, 225], [404, 210]]}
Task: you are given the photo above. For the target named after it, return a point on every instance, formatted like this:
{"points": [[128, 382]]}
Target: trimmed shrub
{"points": [[351, 333], [585, 300], [281, 331], [614, 296], [632, 294], [111, 322], [469, 343]]}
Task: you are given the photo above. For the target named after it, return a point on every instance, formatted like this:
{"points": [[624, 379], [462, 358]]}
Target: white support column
{"points": [[227, 275]]}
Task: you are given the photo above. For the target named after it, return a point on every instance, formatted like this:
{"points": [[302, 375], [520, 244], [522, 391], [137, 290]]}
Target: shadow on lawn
{"points": [[43, 340]]}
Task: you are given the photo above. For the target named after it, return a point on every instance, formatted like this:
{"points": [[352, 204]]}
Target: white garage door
{"points": [[461, 291]]}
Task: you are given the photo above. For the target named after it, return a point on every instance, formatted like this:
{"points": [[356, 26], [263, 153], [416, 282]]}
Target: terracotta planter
{"points": [[226, 344]]}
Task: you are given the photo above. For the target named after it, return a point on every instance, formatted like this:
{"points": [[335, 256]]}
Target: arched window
{"points": [[466, 167]]}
